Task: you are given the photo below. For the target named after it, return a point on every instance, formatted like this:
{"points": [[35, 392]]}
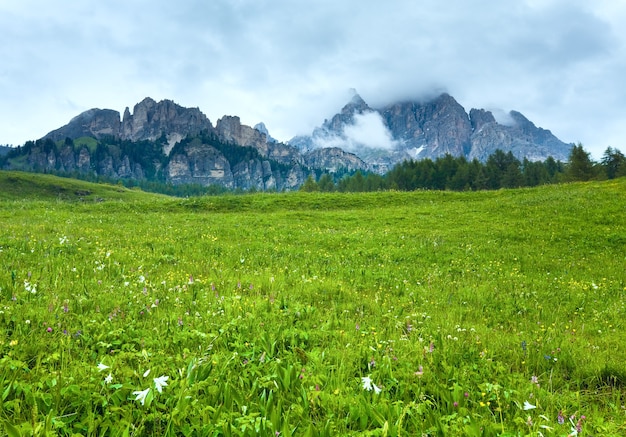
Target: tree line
{"points": [[500, 170]]}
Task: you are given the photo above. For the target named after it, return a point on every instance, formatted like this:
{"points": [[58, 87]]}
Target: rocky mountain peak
{"points": [[263, 129], [435, 127], [355, 106], [230, 129], [479, 118], [150, 120]]}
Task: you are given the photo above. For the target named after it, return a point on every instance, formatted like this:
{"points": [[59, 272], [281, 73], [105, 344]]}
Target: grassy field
{"points": [[381, 314]]}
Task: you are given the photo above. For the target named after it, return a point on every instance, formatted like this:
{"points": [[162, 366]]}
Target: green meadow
{"points": [[312, 314]]}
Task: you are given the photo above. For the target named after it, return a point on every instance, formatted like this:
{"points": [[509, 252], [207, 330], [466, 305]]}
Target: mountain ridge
{"points": [[180, 145], [433, 128]]}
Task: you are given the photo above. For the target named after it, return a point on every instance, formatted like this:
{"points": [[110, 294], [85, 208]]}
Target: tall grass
{"points": [[488, 313]]}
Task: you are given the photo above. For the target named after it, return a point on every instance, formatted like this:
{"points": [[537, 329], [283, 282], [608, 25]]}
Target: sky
{"points": [[291, 63]]}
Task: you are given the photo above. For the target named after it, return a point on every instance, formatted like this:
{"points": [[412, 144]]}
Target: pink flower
{"points": [[420, 372]]}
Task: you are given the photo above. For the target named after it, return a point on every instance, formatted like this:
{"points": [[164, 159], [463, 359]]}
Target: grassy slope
{"points": [[33, 186], [501, 283]]}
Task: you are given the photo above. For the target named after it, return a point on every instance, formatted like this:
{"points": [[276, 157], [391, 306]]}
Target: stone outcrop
{"points": [[199, 164], [334, 159], [230, 129], [150, 120], [521, 137]]}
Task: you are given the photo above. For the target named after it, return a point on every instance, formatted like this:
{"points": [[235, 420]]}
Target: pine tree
{"points": [[579, 167]]}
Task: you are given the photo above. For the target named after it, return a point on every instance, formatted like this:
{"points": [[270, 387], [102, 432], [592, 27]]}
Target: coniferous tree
{"points": [[309, 185], [326, 183], [614, 163], [579, 166]]}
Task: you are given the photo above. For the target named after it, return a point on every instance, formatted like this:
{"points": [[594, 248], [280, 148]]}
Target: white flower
{"points": [[367, 383], [529, 406], [146, 373], [141, 395], [160, 382], [102, 367], [108, 379]]}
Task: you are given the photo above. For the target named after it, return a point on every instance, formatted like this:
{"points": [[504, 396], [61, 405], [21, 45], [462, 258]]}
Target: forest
{"points": [[501, 170]]}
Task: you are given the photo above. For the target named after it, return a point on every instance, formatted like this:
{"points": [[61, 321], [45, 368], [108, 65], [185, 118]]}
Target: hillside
{"points": [[25, 186]]}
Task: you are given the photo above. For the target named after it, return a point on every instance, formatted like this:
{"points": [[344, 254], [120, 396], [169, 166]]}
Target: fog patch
{"points": [[502, 117], [367, 130]]}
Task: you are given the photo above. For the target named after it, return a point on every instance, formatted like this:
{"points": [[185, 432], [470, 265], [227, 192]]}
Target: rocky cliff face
{"points": [[521, 137], [200, 163], [275, 166], [333, 160], [432, 129], [149, 121]]}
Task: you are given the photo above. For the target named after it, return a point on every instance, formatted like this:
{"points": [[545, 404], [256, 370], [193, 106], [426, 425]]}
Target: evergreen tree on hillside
{"points": [[614, 163], [309, 185], [579, 166], [326, 183]]}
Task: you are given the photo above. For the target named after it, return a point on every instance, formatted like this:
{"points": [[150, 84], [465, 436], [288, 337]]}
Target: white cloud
{"points": [[367, 131]]}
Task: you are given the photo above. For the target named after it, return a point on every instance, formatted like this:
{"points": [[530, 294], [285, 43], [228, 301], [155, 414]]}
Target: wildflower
{"points": [[160, 382], [13, 343], [49, 329], [560, 418], [146, 373], [529, 406], [535, 380], [109, 378], [102, 367], [27, 322], [431, 347], [419, 372], [455, 404], [529, 421], [367, 383], [141, 395], [524, 346]]}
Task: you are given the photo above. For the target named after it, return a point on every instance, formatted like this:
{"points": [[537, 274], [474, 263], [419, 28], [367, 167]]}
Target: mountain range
{"points": [[168, 142]]}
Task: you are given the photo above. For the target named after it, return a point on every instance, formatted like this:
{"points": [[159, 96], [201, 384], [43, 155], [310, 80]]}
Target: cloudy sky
{"points": [[292, 63]]}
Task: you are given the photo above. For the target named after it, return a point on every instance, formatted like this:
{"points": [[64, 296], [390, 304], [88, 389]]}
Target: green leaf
{"points": [[11, 430]]}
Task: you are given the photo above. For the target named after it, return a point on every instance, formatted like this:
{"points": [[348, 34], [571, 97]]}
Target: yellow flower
{"points": [[13, 343]]}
